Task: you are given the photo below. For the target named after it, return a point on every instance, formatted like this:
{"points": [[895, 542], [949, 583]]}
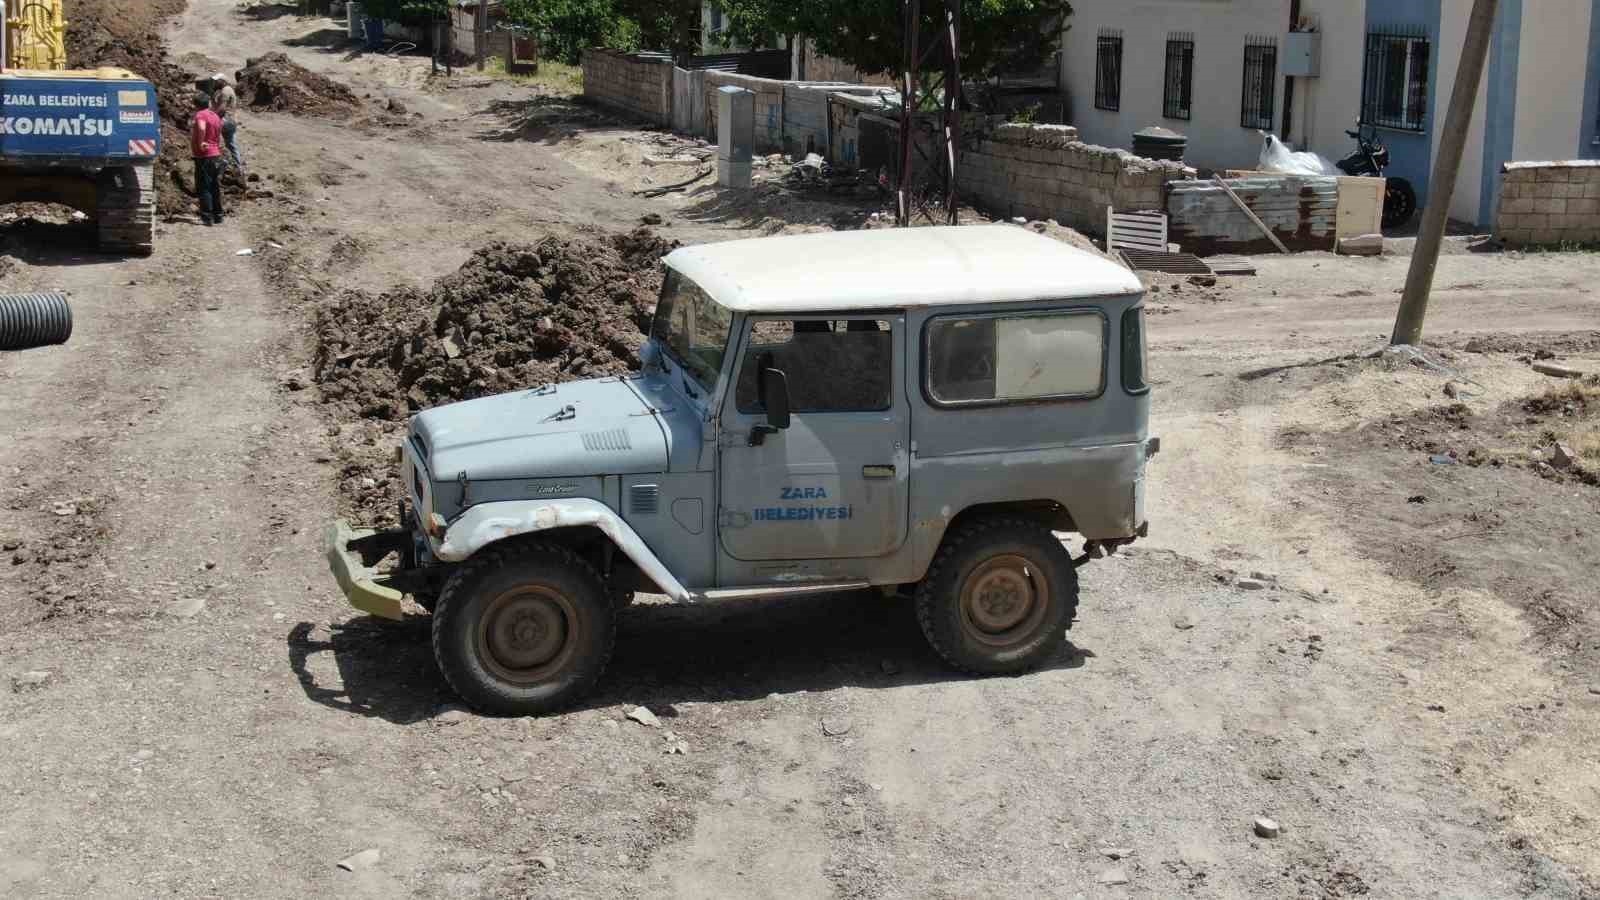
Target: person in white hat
{"points": [[225, 103]]}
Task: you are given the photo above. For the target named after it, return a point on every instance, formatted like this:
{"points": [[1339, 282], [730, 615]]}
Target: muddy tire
{"points": [[524, 629], [125, 210], [999, 597]]}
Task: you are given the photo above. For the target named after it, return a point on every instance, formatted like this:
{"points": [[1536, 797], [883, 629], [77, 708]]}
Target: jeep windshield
{"points": [[692, 328]]}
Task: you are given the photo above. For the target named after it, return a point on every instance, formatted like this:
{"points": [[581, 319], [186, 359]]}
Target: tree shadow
{"points": [[666, 655], [545, 119], [323, 38], [771, 207], [267, 12]]}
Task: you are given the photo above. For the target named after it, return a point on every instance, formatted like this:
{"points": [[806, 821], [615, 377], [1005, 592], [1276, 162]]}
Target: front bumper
{"points": [[356, 577]]}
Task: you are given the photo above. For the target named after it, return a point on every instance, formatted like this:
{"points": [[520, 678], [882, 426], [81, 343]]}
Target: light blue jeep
{"points": [[920, 410]]}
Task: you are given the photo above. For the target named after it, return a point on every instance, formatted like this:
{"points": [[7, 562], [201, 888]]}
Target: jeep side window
{"points": [[832, 366], [1008, 358]]}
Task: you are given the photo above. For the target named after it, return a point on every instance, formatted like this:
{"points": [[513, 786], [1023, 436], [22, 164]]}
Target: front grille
{"points": [[644, 499]]}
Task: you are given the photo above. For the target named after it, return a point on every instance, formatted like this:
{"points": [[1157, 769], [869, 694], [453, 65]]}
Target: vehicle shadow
{"points": [[329, 39], [665, 655], [40, 243]]}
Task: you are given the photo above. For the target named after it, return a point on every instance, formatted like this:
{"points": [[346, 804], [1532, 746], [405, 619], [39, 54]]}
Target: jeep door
{"points": [[834, 484]]}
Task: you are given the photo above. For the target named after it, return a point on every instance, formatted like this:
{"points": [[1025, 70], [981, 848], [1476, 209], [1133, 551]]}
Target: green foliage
{"points": [[568, 27], [409, 12], [997, 36]]}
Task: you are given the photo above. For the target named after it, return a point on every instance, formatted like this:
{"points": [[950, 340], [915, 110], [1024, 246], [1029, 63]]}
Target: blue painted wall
{"points": [[1410, 152], [1590, 131], [1500, 118]]}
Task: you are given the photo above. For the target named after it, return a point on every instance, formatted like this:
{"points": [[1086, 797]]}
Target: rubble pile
{"points": [[275, 82], [513, 316]]}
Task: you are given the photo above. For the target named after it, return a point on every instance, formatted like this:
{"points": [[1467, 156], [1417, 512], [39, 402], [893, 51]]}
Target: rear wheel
{"points": [[125, 209], [1399, 202], [523, 630], [999, 596]]}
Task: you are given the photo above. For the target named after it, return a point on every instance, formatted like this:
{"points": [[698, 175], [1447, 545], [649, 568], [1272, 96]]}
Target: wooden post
{"points": [[1452, 141]]}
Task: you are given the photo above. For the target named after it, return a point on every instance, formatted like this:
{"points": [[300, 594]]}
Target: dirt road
{"points": [[216, 722]]}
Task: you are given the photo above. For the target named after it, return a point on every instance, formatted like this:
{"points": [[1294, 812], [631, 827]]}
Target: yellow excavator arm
{"points": [[35, 35]]}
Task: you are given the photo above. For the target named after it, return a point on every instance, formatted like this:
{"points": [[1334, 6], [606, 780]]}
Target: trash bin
{"points": [[1159, 143], [374, 34]]}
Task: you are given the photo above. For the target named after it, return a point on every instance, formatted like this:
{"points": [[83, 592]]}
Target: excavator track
{"points": [[125, 201]]}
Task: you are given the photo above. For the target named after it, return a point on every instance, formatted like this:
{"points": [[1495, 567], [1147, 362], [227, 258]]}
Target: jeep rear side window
{"points": [[1013, 358], [1133, 351], [832, 366]]}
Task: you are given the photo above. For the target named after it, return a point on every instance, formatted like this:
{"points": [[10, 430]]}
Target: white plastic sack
{"points": [[1275, 157]]}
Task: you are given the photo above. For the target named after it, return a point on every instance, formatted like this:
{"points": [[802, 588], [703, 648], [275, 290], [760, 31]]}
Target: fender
{"points": [[488, 523]]}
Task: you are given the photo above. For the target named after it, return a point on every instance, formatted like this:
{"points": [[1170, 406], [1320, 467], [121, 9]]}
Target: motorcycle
{"points": [[1370, 159]]}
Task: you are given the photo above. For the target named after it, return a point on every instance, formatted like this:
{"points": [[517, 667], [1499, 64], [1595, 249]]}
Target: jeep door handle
{"points": [[877, 471]]}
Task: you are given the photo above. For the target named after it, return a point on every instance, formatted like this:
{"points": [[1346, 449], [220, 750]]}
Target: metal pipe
{"points": [[34, 320]]}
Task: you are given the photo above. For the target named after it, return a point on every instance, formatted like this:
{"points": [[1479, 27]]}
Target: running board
{"points": [[773, 591]]}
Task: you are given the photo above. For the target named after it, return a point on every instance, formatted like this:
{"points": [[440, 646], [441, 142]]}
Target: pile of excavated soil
{"points": [[275, 82], [128, 34], [513, 316]]}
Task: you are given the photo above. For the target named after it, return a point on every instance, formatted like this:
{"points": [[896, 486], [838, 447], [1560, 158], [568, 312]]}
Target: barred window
{"points": [[1260, 76], [1108, 70], [1179, 81], [1395, 82]]}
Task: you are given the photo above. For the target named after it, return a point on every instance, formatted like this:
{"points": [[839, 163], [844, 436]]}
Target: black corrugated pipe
{"points": [[34, 320]]}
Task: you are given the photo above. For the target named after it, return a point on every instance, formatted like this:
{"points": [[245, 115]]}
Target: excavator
{"points": [[86, 138]]}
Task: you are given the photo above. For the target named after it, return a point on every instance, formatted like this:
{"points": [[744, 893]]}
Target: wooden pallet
{"points": [[1136, 231], [1231, 265], [1170, 263]]}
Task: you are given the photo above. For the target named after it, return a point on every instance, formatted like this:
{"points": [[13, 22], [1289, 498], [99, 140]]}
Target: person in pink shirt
{"points": [[205, 142]]}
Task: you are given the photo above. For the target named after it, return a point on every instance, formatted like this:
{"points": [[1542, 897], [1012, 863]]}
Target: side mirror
{"points": [[775, 391], [774, 387]]}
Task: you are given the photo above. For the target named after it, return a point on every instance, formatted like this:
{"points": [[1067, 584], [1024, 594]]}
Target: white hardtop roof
{"points": [[898, 268]]}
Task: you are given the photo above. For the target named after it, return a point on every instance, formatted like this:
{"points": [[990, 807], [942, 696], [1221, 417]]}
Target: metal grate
{"points": [[1256, 101], [1178, 84], [1394, 91], [613, 439], [644, 499], [1108, 70], [1171, 263]]}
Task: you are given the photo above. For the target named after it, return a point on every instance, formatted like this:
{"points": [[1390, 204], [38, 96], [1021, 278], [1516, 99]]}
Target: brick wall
{"points": [[1550, 202], [1045, 172], [634, 83], [1302, 210]]}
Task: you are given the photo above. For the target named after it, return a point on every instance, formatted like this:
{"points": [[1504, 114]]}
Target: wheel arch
{"points": [[1051, 513], [584, 525]]}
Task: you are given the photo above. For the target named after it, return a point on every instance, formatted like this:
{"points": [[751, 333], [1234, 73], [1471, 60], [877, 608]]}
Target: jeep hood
{"points": [[597, 427]]}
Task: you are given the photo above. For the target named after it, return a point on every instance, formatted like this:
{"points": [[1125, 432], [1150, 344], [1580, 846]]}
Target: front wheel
{"points": [[1399, 202], [524, 629], [999, 596]]}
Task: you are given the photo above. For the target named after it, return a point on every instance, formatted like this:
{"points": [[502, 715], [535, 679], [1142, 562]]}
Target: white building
{"points": [[1219, 70]]}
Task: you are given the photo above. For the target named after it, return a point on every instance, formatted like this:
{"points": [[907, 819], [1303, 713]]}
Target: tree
{"points": [[997, 36], [568, 27], [409, 12]]}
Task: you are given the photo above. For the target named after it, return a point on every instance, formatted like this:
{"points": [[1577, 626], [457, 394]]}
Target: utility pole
{"points": [[1453, 140], [482, 28]]}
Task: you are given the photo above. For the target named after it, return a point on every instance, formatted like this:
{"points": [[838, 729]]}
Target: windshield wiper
{"points": [[693, 395]]}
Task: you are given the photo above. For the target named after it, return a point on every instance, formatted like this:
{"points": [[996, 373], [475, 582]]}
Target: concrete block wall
{"points": [[1045, 172], [1550, 202], [634, 83], [769, 106], [1302, 210]]}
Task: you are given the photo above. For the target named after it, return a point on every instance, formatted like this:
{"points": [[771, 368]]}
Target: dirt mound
{"points": [[513, 316], [275, 82]]}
